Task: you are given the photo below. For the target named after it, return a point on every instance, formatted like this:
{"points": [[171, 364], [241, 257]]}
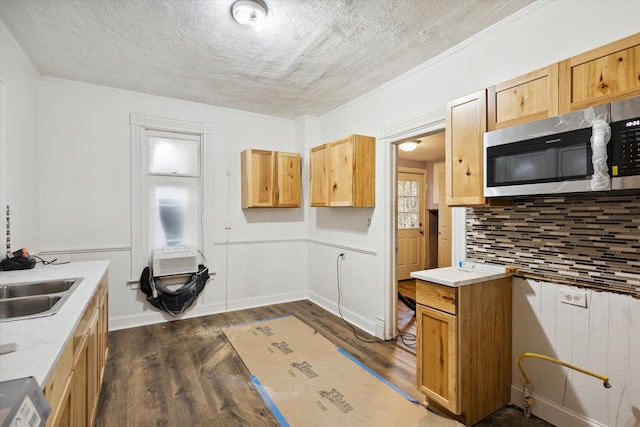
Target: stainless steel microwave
{"points": [[555, 155], [625, 144]]}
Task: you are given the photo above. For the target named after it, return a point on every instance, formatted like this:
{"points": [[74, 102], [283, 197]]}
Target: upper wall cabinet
{"points": [[270, 179], [466, 121], [609, 73], [605, 74], [342, 173], [524, 99]]}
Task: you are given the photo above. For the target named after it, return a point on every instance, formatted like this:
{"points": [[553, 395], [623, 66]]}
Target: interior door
{"points": [[410, 211]]}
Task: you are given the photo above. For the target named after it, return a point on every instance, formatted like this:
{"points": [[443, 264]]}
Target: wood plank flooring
{"points": [[185, 373], [407, 317]]}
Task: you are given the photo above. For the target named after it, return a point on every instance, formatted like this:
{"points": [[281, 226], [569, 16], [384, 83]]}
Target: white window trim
{"points": [[141, 123]]}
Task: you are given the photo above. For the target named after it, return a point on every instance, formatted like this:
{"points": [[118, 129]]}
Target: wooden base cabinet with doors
{"points": [[73, 390], [463, 351]]}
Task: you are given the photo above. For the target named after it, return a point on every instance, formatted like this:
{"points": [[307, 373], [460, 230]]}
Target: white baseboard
{"points": [[551, 412], [155, 316], [355, 319]]}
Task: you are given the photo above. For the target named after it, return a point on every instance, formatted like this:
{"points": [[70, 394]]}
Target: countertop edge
{"points": [[455, 277]]}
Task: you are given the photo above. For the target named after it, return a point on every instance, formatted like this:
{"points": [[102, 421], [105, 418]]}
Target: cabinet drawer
{"points": [[436, 296]]}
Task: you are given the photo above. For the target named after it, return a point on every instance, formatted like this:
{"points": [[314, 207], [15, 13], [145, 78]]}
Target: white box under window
{"points": [[175, 260]]}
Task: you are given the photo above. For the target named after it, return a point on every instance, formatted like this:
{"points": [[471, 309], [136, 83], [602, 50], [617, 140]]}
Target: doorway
{"points": [[423, 222]]}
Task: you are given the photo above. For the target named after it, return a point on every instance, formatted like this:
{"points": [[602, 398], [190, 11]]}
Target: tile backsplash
{"points": [[583, 240]]}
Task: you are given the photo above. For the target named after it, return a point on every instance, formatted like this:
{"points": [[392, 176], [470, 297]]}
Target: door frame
{"points": [[392, 134]]}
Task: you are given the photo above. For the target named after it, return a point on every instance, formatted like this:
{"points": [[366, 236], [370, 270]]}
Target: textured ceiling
{"points": [[313, 55]]}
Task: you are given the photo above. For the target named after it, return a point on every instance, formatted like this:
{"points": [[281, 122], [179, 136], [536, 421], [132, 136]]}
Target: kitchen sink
{"points": [[20, 301], [29, 307], [37, 288]]}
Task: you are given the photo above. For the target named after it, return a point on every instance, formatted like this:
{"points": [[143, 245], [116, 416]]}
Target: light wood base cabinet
{"points": [[464, 347], [73, 390]]}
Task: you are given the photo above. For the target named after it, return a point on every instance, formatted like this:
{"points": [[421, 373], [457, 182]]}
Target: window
{"points": [[408, 215], [173, 170], [171, 187]]}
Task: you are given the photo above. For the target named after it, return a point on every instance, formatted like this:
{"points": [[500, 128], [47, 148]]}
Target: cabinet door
{"points": [[466, 121], [93, 371], [444, 224], [364, 171], [258, 179], [319, 176], [605, 74], [288, 173], [524, 99], [79, 390], [437, 357], [103, 336], [58, 389], [341, 172]]}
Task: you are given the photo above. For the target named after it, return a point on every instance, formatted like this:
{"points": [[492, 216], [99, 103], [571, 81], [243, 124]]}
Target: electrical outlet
{"points": [[578, 298]]}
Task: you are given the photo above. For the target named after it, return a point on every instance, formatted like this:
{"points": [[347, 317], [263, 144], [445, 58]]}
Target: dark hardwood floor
{"points": [[186, 373]]}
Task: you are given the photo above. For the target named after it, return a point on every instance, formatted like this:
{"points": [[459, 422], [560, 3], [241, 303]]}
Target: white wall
{"points": [[85, 182], [83, 178], [19, 174], [509, 49], [542, 34]]}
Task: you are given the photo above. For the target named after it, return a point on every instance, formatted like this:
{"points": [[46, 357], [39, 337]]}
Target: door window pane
{"points": [[407, 204]]}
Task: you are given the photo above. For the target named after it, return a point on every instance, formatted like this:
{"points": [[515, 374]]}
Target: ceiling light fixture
{"points": [[251, 13], [408, 145]]}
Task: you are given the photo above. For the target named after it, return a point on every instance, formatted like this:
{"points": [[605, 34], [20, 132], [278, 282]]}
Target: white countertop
{"points": [[456, 276], [41, 340]]}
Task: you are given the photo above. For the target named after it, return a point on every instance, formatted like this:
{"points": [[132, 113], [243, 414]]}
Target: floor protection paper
{"points": [[308, 381]]}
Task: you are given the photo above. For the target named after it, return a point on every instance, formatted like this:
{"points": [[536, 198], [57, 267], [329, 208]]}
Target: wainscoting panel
{"points": [[603, 338]]}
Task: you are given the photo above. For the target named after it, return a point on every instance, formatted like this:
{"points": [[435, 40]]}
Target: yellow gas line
{"points": [[605, 380], [528, 399]]}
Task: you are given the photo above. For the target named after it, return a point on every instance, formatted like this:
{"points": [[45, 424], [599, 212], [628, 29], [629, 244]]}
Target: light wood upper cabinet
{"points": [[343, 172], [608, 73], [463, 351], [466, 121], [531, 97], [270, 179], [319, 176]]}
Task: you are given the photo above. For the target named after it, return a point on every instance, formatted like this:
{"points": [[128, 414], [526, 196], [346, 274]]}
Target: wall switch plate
{"points": [[578, 298]]}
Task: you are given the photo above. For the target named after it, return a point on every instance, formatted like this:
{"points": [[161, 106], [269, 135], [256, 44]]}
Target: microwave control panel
{"points": [[625, 159]]}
